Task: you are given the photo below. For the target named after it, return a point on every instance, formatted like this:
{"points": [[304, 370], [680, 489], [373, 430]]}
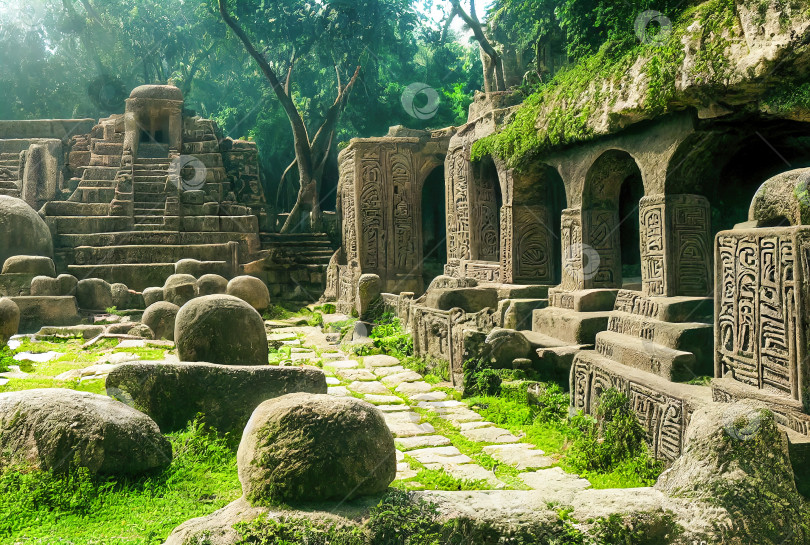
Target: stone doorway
{"points": [[434, 225]]}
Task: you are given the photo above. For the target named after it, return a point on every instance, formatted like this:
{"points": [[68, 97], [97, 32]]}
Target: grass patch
{"points": [[79, 508]]}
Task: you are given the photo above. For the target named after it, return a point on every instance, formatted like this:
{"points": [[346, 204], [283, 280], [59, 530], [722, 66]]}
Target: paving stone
{"points": [[346, 364], [301, 356], [339, 391], [423, 441], [369, 388], [408, 417], [475, 425], [281, 337], [490, 435], [299, 350], [333, 356], [430, 396], [291, 343], [355, 374], [380, 360], [519, 455], [413, 388], [474, 472], [399, 378], [555, 483], [383, 400], [406, 474], [332, 381], [439, 455], [393, 408], [411, 430], [440, 404], [387, 371], [400, 456], [460, 416]]}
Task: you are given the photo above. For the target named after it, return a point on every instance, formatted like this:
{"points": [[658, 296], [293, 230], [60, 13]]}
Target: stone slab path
{"points": [[408, 402]]}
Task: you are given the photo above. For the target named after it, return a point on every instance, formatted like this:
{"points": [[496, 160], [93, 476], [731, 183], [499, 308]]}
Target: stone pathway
{"points": [[402, 394]]}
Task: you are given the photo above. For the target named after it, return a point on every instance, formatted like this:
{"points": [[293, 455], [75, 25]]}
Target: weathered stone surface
{"points": [[372, 387], [173, 393], [161, 318], [51, 428], [520, 455], [468, 299], [369, 288], [64, 284], [142, 330], [29, 264], [9, 319], [303, 447], [120, 296], [251, 290], [212, 284], [179, 289], [380, 360], [24, 232], [94, 294], [507, 345], [221, 329], [36, 312], [67, 284], [152, 296], [735, 457]]}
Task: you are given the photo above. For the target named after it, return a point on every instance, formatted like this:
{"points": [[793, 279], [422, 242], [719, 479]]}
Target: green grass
{"points": [[83, 510]]}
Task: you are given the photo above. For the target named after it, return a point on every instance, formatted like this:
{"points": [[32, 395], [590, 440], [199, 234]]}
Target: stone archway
{"points": [[608, 247]]}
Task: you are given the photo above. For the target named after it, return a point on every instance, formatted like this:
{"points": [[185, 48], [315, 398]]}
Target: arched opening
{"points": [[538, 197], [631, 192], [610, 230], [486, 218], [434, 226]]}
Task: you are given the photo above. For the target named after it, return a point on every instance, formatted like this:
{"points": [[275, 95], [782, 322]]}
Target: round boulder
{"points": [[94, 294], [212, 284], [507, 345], [305, 447], [120, 296], [220, 329], [142, 330], [24, 232], [44, 286], [179, 289], [51, 428], [29, 264], [160, 317], [9, 319], [67, 284], [152, 296], [251, 290]]}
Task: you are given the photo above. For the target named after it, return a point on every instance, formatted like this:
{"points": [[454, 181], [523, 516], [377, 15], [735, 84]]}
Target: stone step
{"points": [[10, 193], [151, 199], [124, 237], [137, 276], [76, 225], [141, 211], [67, 208], [10, 162], [151, 161], [144, 219], [109, 184], [8, 184], [95, 194], [147, 227], [673, 365], [666, 309], [150, 176], [100, 173], [149, 187], [88, 255], [569, 326]]}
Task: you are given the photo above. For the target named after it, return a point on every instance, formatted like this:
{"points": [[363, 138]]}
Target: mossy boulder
{"points": [[9, 319], [55, 428], [736, 460], [160, 318], [179, 289], [213, 284], [24, 232], [250, 290], [221, 329], [94, 294], [303, 447]]}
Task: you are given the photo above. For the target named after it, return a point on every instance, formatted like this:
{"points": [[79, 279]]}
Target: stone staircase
{"points": [[304, 248], [10, 174], [150, 176]]}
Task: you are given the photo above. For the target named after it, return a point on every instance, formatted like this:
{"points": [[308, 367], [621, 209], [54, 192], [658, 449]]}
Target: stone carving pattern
{"points": [[372, 223], [603, 236], [652, 219], [757, 311], [691, 274], [349, 219], [533, 244], [405, 252], [571, 232], [458, 195]]}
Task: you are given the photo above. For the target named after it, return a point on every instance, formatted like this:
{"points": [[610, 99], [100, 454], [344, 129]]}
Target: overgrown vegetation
{"points": [[388, 337], [37, 505]]}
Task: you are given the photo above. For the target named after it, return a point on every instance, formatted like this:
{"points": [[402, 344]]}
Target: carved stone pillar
{"points": [[527, 244], [601, 249], [675, 245]]}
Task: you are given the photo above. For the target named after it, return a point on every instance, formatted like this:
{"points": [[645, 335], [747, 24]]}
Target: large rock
{"points": [[152, 296], [174, 393], [9, 319], [52, 428], [507, 345], [24, 232], [250, 290], [736, 458], [212, 284], [221, 329], [369, 290], [121, 296], [94, 294], [29, 264], [36, 312], [64, 284], [179, 289], [161, 318], [303, 447]]}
